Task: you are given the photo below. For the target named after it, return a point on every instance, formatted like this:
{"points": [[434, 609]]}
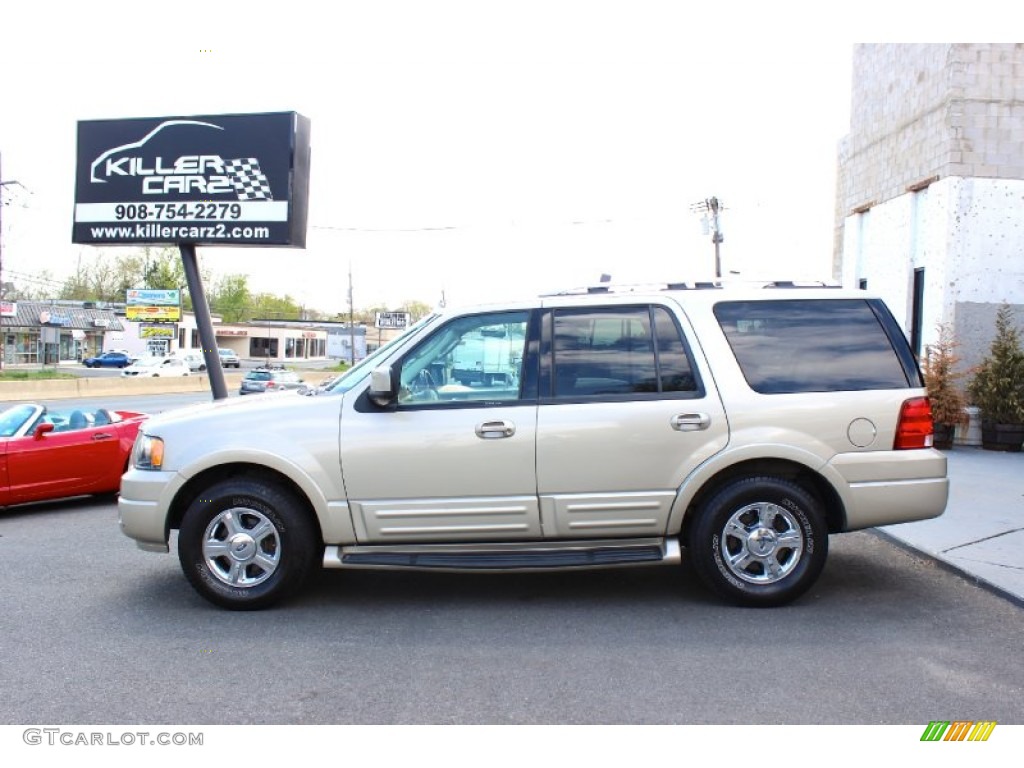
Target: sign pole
{"points": [[204, 321]]}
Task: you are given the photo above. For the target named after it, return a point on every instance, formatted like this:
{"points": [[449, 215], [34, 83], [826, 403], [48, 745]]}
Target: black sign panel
{"points": [[213, 180]]}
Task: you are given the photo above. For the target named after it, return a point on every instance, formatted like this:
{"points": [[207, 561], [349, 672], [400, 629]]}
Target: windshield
{"points": [[12, 419], [345, 381], [148, 362]]}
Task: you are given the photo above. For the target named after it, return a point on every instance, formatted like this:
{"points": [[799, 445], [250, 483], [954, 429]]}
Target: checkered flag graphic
{"points": [[247, 179]]}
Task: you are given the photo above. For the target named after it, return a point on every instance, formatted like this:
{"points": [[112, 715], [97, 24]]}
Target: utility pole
{"points": [[712, 205], [351, 320], [12, 182]]}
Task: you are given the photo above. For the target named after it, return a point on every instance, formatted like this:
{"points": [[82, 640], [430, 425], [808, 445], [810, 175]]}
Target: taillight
{"points": [[915, 426]]}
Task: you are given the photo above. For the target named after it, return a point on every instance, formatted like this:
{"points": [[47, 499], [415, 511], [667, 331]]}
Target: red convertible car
{"points": [[51, 454]]}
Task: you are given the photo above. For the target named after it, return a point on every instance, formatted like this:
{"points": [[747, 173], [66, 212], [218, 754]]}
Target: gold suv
{"points": [[598, 428]]}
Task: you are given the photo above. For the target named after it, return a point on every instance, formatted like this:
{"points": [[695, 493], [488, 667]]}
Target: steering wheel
{"points": [[422, 387]]}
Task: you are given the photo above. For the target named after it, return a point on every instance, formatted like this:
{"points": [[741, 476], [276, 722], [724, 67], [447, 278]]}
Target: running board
{"points": [[528, 556]]}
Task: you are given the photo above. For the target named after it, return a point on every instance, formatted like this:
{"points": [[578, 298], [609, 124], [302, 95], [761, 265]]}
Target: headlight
{"points": [[148, 452]]}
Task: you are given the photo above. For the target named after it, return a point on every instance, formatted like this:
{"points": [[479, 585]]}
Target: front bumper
{"points": [[142, 507]]}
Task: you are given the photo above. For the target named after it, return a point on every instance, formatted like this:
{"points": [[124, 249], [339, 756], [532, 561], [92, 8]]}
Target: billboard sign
{"points": [[212, 180], [153, 305], [157, 332], [392, 320]]}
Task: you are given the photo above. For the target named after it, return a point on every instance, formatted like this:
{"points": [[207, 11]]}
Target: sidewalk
{"points": [[981, 534]]}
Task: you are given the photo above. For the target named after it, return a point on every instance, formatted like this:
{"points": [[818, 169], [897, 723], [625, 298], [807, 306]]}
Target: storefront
{"points": [[276, 342], [47, 333]]}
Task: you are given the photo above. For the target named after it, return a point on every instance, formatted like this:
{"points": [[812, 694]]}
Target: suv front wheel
{"points": [[759, 541], [245, 544]]}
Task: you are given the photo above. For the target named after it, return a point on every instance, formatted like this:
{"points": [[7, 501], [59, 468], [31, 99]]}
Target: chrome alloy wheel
{"points": [[762, 543], [241, 547]]}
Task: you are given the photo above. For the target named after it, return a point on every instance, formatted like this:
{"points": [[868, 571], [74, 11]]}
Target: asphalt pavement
{"points": [[981, 533]]}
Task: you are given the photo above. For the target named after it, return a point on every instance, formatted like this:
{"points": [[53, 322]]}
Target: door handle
{"points": [[102, 436], [690, 422], [492, 430]]}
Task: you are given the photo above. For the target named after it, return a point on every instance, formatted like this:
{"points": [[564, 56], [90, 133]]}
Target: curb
{"points": [[946, 565]]}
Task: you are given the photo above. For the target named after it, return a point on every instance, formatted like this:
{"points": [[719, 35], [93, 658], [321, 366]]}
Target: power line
{"points": [[34, 278]]}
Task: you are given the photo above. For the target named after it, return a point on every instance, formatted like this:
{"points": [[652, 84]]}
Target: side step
{"points": [[527, 556]]}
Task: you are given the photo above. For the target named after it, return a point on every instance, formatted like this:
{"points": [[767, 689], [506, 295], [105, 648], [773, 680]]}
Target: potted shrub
{"points": [[997, 387], [941, 378]]}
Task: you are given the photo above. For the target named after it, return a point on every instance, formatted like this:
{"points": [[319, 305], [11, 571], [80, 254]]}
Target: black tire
{"points": [[267, 568], [759, 541]]}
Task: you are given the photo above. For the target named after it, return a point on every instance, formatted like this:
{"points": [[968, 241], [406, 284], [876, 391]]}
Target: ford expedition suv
{"points": [[738, 427]]}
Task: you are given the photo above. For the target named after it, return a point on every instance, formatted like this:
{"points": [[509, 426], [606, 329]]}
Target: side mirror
{"points": [[383, 391], [41, 430]]}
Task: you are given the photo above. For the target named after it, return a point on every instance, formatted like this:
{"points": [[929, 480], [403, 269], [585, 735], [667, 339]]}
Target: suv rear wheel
{"points": [[245, 544], [759, 541]]}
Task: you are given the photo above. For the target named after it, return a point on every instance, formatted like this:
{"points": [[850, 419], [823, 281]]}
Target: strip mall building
{"points": [[62, 331]]}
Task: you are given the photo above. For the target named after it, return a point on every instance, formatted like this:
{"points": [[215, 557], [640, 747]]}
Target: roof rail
{"points": [[635, 287], [685, 285], [801, 284]]}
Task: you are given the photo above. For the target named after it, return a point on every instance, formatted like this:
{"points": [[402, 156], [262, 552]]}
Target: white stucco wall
{"points": [[967, 234], [986, 241]]}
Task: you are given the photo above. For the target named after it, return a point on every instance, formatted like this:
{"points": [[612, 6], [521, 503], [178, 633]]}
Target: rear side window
{"points": [[811, 345], [619, 351]]}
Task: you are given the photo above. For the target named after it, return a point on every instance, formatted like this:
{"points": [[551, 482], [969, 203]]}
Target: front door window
{"points": [[473, 359]]}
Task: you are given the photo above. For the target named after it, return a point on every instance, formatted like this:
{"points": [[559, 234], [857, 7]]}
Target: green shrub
{"points": [[997, 386]]}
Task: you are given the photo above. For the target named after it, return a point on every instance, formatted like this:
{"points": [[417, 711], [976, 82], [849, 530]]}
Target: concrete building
{"points": [[275, 342], [930, 188]]}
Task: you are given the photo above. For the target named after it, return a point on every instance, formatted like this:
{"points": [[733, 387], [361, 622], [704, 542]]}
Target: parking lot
{"points": [[105, 633]]}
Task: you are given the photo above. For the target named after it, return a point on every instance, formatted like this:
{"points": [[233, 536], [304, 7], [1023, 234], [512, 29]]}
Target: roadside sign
{"points": [[214, 180], [209, 180], [392, 320], [153, 305]]}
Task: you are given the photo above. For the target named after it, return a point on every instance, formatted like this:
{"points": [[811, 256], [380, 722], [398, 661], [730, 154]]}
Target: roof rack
{"points": [[685, 285], [634, 288], [800, 284]]}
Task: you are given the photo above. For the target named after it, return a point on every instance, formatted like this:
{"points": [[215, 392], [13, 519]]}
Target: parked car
{"points": [[269, 380], [52, 453], [195, 361], [744, 425], [157, 366], [229, 358], [109, 360]]}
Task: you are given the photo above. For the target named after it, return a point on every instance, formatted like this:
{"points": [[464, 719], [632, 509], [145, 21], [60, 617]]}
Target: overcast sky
{"points": [[482, 150]]}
